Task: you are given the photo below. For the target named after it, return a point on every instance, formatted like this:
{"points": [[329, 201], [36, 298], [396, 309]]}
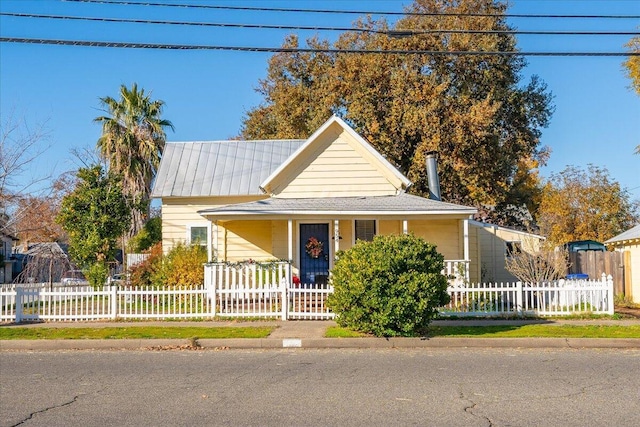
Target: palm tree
{"points": [[132, 142]]}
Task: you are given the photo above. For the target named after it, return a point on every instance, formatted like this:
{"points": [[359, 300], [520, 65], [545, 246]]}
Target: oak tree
{"points": [[473, 109], [632, 65], [578, 204]]}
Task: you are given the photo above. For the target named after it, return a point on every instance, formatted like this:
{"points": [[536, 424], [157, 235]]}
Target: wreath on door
{"points": [[313, 247]]}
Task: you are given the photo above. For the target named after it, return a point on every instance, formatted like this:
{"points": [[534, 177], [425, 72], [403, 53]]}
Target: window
{"points": [[513, 248], [365, 229], [198, 235]]}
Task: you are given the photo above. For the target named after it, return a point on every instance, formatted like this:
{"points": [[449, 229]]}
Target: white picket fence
{"points": [[258, 297], [557, 298], [83, 303], [264, 290]]}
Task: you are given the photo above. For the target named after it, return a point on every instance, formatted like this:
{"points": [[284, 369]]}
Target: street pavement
{"points": [[311, 334]]}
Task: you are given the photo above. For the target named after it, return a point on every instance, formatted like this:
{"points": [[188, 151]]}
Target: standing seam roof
{"points": [[219, 168]]}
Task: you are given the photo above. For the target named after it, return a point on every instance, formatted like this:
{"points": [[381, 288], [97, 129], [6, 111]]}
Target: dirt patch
{"points": [[628, 311]]}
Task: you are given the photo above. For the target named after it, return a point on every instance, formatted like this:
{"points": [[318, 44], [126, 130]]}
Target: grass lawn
{"points": [[133, 332], [509, 331], [150, 332]]}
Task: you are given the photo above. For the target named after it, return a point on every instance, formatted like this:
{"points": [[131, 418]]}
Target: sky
{"points": [[208, 92]]}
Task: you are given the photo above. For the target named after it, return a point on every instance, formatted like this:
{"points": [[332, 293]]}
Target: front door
{"points": [[314, 253]]}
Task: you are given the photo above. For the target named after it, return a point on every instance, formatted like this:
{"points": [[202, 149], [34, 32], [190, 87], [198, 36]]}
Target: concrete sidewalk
{"points": [[311, 334]]}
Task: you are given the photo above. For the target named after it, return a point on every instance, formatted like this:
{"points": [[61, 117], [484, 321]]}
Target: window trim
{"points": [[516, 248], [200, 224], [375, 228]]}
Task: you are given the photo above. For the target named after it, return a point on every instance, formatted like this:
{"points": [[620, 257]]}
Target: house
{"points": [[629, 243], [6, 257], [496, 244], [41, 262], [303, 200]]}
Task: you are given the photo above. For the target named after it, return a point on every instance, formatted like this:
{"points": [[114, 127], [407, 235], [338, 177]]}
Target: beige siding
{"points": [[387, 227], [634, 256], [445, 234], [280, 232], [336, 169], [178, 213], [492, 241], [475, 273], [346, 234], [248, 240]]}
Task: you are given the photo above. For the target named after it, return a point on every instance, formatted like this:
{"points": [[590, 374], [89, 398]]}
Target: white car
{"points": [[119, 279], [73, 278]]}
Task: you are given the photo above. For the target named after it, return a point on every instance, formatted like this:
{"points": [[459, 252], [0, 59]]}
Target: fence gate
{"points": [[308, 302]]}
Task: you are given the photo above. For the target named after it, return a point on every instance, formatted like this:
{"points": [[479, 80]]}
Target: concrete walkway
{"points": [[311, 334]]}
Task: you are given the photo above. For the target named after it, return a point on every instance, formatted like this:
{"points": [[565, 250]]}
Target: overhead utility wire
{"points": [[358, 12], [320, 28], [128, 45]]}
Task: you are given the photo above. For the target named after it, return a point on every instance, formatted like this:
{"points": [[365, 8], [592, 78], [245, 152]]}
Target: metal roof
{"points": [[631, 234], [219, 168], [399, 205]]}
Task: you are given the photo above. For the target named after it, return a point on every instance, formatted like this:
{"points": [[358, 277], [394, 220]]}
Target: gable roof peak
{"points": [[335, 120]]}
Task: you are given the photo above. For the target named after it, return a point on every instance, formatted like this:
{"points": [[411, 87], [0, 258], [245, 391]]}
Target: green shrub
{"points": [[150, 234], [97, 274], [391, 286]]}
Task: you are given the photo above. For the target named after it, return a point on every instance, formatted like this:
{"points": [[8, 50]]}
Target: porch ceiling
{"points": [[401, 206]]}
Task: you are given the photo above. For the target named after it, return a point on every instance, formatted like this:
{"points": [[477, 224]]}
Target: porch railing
{"points": [[457, 271]]}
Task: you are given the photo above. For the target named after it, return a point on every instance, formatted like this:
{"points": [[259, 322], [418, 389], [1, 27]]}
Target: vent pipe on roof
{"points": [[432, 175]]}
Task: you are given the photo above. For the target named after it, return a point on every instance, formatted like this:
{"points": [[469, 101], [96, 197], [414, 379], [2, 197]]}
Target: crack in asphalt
{"points": [[31, 415], [473, 405]]}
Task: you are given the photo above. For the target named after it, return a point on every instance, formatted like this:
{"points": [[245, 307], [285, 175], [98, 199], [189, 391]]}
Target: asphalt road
{"points": [[350, 387]]}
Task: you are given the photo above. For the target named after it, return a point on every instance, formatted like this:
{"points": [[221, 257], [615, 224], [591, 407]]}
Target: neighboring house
{"points": [[6, 258], [41, 262], [629, 243], [496, 244], [266, 200]]}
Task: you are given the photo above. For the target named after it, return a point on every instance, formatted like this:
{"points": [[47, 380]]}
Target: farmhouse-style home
{"points": [[303, 200], [628, 243]]}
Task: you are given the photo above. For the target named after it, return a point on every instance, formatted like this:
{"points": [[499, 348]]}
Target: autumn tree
{"points": [[580, 204], [632, 65], [95, 214], [21, 143], [473, 109], [36, 214]]}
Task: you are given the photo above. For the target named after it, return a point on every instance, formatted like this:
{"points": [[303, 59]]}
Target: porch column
{"points": [[405, 226], [465, 228], [216, 243], [336, 236], [290, 240]]}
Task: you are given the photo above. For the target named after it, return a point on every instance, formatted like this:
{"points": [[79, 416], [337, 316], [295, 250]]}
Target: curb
{"points": [[318, 343]]}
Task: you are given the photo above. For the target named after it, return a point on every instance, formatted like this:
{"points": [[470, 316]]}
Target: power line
{"points": [[358, 12], [133, 45], [319, 28]]}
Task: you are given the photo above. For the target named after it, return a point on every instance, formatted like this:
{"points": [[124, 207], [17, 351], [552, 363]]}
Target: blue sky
{"points": [[596, 120]]}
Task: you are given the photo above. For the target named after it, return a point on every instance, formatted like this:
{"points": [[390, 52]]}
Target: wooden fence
{"points": [[596, 263]]}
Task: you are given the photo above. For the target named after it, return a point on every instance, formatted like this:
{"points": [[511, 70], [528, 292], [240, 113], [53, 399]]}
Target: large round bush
{"points": [[391, 286]]}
